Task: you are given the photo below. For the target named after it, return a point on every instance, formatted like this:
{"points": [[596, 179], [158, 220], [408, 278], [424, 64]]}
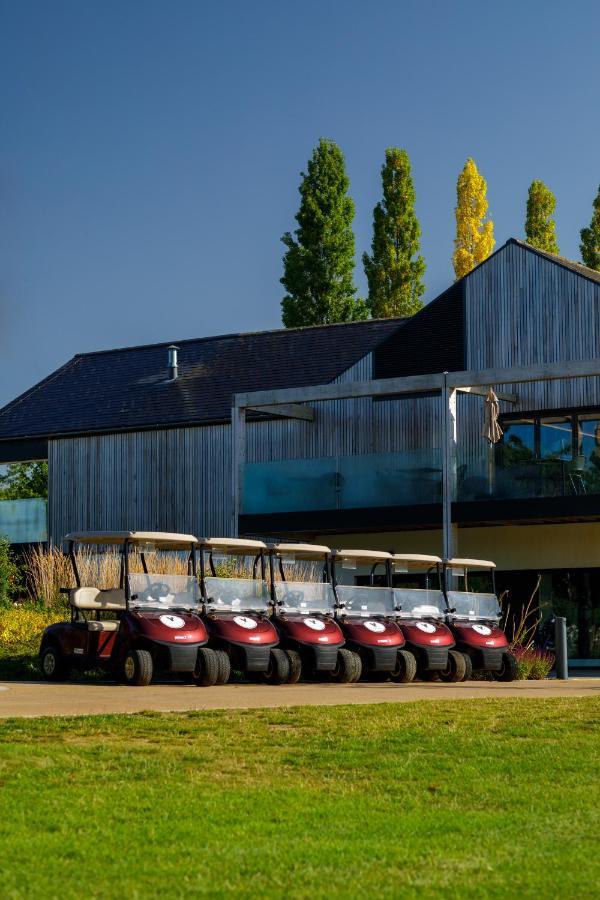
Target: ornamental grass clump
{"points": [[533, 664]]}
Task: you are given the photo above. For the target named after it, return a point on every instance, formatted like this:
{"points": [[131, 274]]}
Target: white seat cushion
{"points": [[92, 598], [108, 625]]}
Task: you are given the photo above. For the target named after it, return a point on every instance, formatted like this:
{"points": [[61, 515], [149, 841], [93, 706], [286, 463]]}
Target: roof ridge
{"points": [[239, 334], [594, 274]]}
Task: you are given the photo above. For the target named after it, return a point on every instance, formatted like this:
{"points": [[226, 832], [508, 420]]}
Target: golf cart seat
{"points": [[93, 598]]}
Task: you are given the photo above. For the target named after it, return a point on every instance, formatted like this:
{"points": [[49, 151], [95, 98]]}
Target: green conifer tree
{"points": [[540, 228], [318, 264], [590, 238], [395, 269]]}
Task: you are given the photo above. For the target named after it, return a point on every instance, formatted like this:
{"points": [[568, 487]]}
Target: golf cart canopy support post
{"points": [[446, 384]]}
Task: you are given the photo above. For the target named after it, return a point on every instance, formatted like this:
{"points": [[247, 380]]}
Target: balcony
{"points": [[343, 482], [23, 521]]}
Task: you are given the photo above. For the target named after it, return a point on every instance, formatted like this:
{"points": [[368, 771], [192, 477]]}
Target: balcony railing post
{"points": [[449, 441]]}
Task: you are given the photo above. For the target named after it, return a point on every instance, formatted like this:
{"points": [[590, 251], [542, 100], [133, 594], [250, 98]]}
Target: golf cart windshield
{"points": [[304, 598], [417, 603], [471, 605], [366, 601], [236, 594], [159, 591]]}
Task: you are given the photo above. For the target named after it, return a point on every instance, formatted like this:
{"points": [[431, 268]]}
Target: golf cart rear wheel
{"points": [[224, 667], [295, 663], [207, 668], [468, 667], [279, 667], [348, 668], [456, 668], [406, 667], [137, 668], [53, 664], [508, 672]]}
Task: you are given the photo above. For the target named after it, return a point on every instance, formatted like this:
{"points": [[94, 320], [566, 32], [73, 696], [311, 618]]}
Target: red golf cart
{"points": [[473, 615], [236, 610], [149, 623], [367, 612], [429, 653], [303, 612]]}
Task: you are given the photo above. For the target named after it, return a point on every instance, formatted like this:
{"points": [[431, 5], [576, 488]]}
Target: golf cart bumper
{"points": [[178, 657], [490, 660], [379, 659], [434, 658], [253, 659], [325, 658]]}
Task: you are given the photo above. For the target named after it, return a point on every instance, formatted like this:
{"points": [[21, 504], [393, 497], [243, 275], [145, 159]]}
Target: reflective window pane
{"points": [[518, 443], [556, 438]]}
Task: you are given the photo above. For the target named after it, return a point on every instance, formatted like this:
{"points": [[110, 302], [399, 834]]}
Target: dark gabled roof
{"points": [[127, 389], [430, 341]]}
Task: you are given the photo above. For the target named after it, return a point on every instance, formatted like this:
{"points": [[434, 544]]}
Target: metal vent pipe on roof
{"points": [[173, 365]]}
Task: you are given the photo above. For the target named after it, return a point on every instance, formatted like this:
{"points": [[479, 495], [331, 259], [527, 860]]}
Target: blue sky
{"points": [[150, 151]]}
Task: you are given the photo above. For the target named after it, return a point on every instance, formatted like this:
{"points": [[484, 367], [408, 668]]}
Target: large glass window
{"points": [[519, 443], [556, 438]]}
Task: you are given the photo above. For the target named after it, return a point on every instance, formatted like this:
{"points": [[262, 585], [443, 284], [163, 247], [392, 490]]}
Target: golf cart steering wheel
{"points": [[157, 590], [292, 598]]}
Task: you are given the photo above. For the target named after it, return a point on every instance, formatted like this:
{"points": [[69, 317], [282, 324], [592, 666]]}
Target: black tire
{"points": [[224, 667], [348, 667], [137, 668], [279, 667], [53, 664], [406, 667], [468, 667], [207, 668], [456, 668], [295, 663], [508, 672]]}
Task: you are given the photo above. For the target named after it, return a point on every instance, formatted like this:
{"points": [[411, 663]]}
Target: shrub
{"points": [[9, 574], [533, 664], [21, 627]]}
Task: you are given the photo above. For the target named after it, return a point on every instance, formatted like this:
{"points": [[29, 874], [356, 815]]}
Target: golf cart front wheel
{"points": [[224, 667], [348, 668], [137, 668], [406, 667], [207, 668], [508, 672], [295, 664], [279, 667], [53, 664], [468, 667], [456, 668]]}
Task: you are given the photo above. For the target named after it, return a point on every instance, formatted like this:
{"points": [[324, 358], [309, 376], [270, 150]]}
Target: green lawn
{"points": [[462, 799]]}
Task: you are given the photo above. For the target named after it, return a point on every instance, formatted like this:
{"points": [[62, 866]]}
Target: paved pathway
{"points": [[44, 699]]}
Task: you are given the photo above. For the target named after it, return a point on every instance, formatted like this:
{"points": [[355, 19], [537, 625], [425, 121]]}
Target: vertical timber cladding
{"points": [[520, 309], [170, 480]]}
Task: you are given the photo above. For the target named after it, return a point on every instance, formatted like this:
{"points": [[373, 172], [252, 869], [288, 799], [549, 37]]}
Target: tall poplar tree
{"points": [[590, 238], [318, 265], [395, 269], [540, 228], [474, 237]]}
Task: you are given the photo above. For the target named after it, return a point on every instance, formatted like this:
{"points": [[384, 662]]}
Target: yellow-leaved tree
{"points": [[474, 237]]}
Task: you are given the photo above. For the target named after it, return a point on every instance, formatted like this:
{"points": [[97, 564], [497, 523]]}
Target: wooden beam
{"points": [[449, 445], [238, 458], [413, 384], [286, 411], [482, 392], [573, 368]]}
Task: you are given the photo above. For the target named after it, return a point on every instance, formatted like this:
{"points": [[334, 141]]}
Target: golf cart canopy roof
{"points": [[470, 563], [364, 555], [416, 559], [163, 539], [233, 545], [301, 551]]}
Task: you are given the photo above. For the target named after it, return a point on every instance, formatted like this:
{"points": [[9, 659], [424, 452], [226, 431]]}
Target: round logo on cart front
{"points": [[376, 627], [315, 624], [172, 621], [245, 622], [482, 629], [427, 627]]}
